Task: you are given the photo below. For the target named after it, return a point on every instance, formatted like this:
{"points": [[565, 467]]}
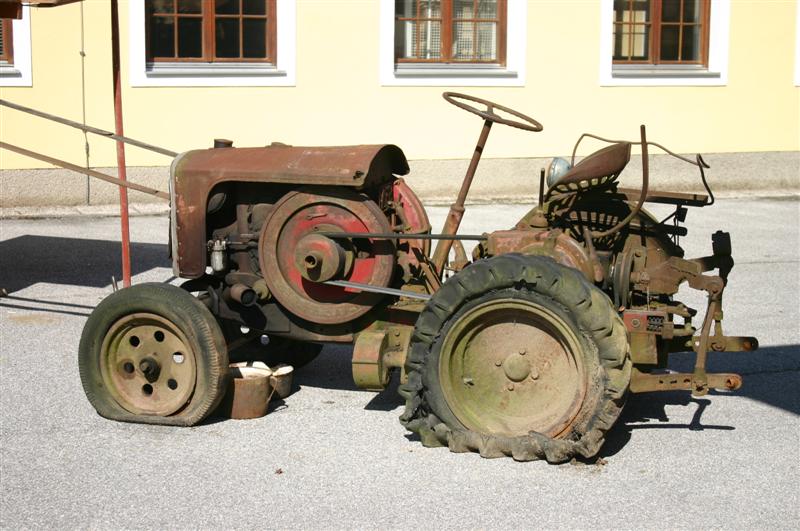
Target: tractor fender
{"points": [[552, 243], [194, 174]]}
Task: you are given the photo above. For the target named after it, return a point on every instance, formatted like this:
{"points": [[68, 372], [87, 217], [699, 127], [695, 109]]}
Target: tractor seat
{"points": [[601, 168]]}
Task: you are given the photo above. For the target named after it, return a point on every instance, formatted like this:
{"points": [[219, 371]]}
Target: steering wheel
{"points": [[528, 123]]}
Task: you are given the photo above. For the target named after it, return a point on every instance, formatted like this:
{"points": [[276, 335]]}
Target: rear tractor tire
{"points": [[153, 354], [517, 356]]}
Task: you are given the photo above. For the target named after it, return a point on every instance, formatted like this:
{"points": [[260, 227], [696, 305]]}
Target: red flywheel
{"points": [[296, 259]]}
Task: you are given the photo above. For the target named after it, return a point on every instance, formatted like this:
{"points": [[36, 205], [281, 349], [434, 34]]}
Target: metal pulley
{"points": [[296, 259]]}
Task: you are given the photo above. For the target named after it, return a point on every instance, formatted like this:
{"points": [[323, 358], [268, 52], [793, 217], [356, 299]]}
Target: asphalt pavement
{"points": [[331, 456]]}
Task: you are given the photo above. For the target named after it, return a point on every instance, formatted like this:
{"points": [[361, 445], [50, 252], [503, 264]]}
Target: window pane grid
{"points": [[450, 31], [631, 42], [211, 30], [660, 31]]}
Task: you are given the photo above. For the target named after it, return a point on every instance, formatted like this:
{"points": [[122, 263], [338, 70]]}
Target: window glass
{"points": [[227, 43], [190, 37], [254, 37], [254, 7], [162, 36], [190, 6]]}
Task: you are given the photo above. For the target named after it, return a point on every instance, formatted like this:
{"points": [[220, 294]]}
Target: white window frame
{"points": [[668, 75], [410, 75], [281, 74], [18, 73]]}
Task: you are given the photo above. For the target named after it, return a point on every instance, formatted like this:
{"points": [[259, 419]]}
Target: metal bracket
{"points": [[644, 383]]}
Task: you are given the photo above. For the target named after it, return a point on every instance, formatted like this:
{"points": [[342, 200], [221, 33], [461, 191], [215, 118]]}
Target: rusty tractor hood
{"points": [[195, 173]]}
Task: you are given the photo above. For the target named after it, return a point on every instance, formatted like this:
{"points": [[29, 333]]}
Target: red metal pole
{"points": [[122, 174]]}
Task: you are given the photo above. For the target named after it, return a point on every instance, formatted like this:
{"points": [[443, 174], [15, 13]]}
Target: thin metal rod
{"points": [[87, 128], [118, 130], [396, 236], [378, 289], [83, 106], [701, 163], [85, 171], [456, 212]]}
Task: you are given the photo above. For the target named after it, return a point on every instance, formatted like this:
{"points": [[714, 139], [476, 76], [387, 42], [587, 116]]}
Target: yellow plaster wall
{"points": [[338, 98]]}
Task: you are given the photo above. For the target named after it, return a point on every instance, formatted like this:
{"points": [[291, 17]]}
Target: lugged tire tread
{"points": [[595, 315], [212, 370]]}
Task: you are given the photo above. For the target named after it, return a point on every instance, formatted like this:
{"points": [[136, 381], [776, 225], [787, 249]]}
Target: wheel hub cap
{"points": [[517, 367]]}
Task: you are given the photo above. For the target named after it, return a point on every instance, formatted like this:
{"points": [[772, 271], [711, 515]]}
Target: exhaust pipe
{"points": [[244, 295]]}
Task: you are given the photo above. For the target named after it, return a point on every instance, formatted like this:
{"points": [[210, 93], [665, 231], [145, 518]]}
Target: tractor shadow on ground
{"points": [[648, 411], [28, 260], [771, 376], [333, 370]]}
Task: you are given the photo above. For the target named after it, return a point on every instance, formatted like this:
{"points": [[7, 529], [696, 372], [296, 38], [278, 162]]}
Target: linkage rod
{"points": [[88, 128], [378, 289], [396, 236], [85, 171]]}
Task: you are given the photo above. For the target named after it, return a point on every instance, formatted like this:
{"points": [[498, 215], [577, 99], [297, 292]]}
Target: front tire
{"points": [[153, 354], [517, 356]]}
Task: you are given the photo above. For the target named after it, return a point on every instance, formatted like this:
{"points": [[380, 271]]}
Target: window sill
{"points": [[7, 70], [662, 76], [211, 69], [212, 75], [412, 70], [656, 72], [14, 75], [440, 75]]}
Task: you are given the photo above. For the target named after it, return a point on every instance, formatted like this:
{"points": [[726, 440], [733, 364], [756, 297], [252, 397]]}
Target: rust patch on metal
{"points": [[294, 220], [555, 244], [195, 173]]}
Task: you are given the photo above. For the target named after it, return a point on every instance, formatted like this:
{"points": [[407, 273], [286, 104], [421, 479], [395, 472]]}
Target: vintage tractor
{"points": [[527, 349]]}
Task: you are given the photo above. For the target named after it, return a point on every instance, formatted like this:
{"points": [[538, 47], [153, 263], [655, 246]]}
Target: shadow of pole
{"points": [[27, 260]]}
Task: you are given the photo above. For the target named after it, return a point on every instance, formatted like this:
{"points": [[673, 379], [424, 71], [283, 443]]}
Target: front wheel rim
{"points": [[511, 366], [147, 364]]}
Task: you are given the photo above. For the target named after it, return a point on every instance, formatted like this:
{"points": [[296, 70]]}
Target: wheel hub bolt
{"points": [[534, 373], [510, 387], [498, 363], [150, 369]]}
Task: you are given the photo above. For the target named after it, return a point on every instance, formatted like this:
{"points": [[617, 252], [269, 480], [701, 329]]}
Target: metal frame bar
{"points": [[88, 128], [401, 236], [92, 173]]}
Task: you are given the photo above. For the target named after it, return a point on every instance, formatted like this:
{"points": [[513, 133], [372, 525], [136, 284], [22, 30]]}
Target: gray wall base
{"points": [[438, 181]]}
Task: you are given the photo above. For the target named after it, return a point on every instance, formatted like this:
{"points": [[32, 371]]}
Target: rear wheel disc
{"points": [[510, 366], [517, 356]]}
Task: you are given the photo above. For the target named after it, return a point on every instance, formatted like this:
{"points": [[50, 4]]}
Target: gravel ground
{"points": [[332, 456]]}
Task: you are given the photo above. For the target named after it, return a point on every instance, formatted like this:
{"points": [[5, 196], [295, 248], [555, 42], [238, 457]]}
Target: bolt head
{"points": [[498, 363], [510, 387], [523, 352]]}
